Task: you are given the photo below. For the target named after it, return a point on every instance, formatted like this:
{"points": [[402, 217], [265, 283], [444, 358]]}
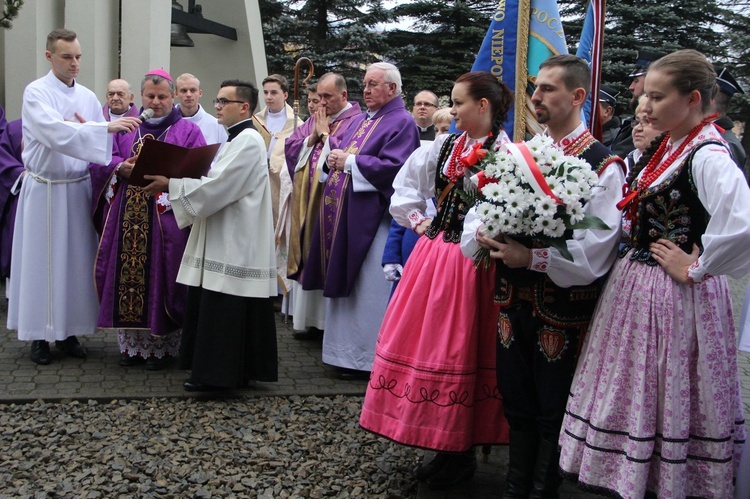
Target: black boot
{"points": [[457, 469], [522, 451], [547, 478], [427, 469]]}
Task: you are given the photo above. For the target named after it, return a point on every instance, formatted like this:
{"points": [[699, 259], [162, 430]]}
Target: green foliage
{"points": [[337, 35], [10, 11], [440, 45]]}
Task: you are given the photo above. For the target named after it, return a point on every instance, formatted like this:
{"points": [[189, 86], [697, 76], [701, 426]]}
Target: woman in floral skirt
{"points": [[655, 406], [433, 383]]}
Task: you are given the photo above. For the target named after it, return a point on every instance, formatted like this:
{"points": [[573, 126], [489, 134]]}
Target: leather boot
{"points": [[547, 478], [522, 450], [427, 469], [457, 469]]}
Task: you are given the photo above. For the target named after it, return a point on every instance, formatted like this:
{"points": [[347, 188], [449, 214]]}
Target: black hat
{"points": [[726, 82], [608, 94], [643, 61]]}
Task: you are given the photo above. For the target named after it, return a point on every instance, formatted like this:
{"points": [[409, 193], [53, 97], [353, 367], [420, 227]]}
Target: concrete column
{"points": [[24, 47], [96, 22], [145, 39]]}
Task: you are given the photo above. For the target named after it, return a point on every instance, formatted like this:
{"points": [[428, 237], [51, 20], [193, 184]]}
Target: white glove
{"points": [[392, 271]]}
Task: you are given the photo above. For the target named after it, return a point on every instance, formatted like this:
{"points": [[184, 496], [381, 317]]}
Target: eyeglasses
{"points": [[219, 103], [424, 104], [373, 84]]}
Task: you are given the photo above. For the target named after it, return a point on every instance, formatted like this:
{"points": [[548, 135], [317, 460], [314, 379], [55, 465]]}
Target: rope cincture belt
{"points": [[50, 183]]}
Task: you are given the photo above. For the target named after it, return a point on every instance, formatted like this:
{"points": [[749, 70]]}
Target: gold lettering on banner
{"points": [[500, 12], [497, 44]]}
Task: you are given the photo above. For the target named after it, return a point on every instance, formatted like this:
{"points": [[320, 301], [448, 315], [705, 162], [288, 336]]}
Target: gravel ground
{"points": [[274, 447]]}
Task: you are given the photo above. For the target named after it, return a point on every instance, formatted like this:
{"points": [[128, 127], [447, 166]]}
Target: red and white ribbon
{"points": [[531, 172]]}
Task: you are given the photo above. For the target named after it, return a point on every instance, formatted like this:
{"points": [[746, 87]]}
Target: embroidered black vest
{"points": [[450, 215], [670, 210], [561, 307]]}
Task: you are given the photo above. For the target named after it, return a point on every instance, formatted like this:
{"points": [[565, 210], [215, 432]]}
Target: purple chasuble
{"points": [[11, 167], [132, 112], [3, 124], [306, 198], [348, 220], [141, 245]]}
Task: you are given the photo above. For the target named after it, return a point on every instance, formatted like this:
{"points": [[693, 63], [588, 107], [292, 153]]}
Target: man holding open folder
{"points": [[141, 244], [229, 338]]}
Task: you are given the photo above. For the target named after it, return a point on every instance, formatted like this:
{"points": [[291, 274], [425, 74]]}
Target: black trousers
{"points": [[228, 340], [535, 367]]}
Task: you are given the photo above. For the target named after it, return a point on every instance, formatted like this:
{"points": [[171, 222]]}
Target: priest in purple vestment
{"points": [[11, 168], [305, 153], [141, 245], [119, 101], [348, 241]]}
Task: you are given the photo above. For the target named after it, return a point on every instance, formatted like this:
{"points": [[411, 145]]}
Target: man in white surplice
{"points": [[52, 295]]}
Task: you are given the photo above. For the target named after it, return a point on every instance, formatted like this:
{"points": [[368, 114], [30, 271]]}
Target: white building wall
{"points": [[145, 44]]}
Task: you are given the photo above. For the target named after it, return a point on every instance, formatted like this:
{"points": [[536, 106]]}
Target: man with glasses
{"points": [[229, 338], [353, 221], [141, 244], [306, 151], [425, 105]]}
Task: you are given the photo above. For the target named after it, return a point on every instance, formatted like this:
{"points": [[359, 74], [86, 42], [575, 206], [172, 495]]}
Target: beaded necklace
{"points": [[457, 165], [653, 169]]}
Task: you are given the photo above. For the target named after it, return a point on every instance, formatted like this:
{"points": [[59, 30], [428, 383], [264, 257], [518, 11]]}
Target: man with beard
{"points": [[546, 301]]}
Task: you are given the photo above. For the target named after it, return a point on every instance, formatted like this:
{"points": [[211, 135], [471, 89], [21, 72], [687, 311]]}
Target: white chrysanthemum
{"points": [[551, 227], [492, 192], [491, 229], [491, 171], [575, 211], [517, 203], [545, 207], [484, 209]]}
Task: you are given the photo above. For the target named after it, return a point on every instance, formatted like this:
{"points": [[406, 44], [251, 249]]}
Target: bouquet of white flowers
{"points": [[533, 190]]}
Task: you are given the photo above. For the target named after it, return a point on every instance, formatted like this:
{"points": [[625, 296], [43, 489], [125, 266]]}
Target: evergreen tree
{"points": [[441, 44], [9, 12], [337, 35]]}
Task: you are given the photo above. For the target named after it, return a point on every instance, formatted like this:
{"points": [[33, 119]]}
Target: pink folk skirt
{"points": [[433, 382], [655, 403]]}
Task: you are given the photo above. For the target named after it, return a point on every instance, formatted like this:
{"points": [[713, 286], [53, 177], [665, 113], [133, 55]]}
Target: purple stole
{"points": [[348, 221], [307, 195]]}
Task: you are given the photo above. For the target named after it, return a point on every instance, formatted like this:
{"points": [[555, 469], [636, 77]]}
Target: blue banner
{"points": [[522, 34]]}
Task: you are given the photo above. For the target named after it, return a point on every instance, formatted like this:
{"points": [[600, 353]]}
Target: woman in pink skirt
{"points": [[655, 406], [433, 383]]}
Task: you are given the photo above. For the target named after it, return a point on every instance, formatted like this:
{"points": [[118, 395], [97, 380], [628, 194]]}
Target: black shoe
{"points": [[157, 364], [426, 470], [458, 469], [70, 347], [311, 333], [352, 374], [40, 352], [128, 361], [192, 386]]}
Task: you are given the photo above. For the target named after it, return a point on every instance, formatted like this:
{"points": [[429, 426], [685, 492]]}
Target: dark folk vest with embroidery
{"points": [[450, 215], [670, 210], [561, 307]]}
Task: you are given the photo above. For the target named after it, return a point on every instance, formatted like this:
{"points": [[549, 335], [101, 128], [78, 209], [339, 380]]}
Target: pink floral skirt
{"points": [[655, 403], [433, 382]]}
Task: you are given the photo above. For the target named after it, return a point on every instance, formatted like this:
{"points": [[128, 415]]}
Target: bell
{"points": [[180, 37]]}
